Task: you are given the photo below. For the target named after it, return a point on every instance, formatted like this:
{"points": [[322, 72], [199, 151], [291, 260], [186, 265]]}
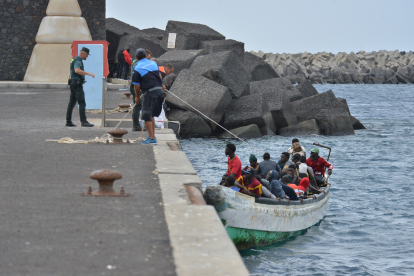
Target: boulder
{"points": [[225, 68], [214, 46], [250, 131], [306, 89], [248, 110], [303, 128], [180, 59], [356, 124], [134, 42], [344, 104], [191, 125], [330, 115], [258, 68], [280, 107], [188, 35], [201, 93], [116, 29], [168, 81], [154, 33], [263, 86]]}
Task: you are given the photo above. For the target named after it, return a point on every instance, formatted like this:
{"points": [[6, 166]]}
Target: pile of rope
{"points": [[116, 110], [106, 138]]}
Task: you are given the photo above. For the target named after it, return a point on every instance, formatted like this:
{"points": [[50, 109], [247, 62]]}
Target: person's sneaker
{"points": [[137, 128], [149, 141], [70, 124], [87, 124], [155, 138]]}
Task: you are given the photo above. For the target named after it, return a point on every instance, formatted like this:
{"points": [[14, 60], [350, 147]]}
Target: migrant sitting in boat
{"points": [[294, 175]]}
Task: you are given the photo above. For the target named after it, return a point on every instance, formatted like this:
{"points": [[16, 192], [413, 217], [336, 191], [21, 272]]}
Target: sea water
{"points": [[368, 228]]}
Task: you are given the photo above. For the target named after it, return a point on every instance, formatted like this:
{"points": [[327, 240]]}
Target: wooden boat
{"points": [[253, 221]]}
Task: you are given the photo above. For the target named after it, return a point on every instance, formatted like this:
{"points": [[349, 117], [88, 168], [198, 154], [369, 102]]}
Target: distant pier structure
{"points": [[19, 24]]}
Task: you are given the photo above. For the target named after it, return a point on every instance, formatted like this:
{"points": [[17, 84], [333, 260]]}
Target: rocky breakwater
{"points": [[242, 92], [362, 68]]}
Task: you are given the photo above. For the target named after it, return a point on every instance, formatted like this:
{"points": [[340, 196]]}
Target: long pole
{"points": [[103, 102]]}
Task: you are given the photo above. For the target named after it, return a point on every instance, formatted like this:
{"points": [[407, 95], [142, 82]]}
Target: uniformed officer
{"points": [[77, 78]]}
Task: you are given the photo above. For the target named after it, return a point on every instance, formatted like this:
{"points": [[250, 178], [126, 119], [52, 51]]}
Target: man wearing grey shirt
{"points": [[266, 165]]}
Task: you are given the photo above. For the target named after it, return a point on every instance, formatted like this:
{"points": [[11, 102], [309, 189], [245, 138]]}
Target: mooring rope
{"points": [[213, 121]]}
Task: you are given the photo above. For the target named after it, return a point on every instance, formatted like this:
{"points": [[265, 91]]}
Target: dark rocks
{"points": [[203, 94], [304, 128], [278, 84], [116, 29], [214, 46], [306, 89], [258, 68], [249, 110], [280, 107], [330, 115], [356, 124], [191, 125], [168, 81], [134, 42], [224, 68], [154, 33], [189, 35], [180, 59], [250, 131]]}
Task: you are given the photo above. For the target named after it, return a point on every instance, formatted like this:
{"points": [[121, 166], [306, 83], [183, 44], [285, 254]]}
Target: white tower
{"points": [[52, 54]]}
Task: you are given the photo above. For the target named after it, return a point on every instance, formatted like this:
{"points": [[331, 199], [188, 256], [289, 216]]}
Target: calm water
{"points": [[369, 224]]}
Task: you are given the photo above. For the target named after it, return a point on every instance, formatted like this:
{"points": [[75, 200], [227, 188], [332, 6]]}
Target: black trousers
{"points": [[76, 95], [119, 68]]}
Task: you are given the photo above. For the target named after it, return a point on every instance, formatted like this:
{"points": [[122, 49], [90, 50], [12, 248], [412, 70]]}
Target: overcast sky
{"points": [[288, 26]]}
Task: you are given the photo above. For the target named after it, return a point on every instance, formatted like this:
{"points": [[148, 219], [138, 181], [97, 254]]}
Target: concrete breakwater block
{"points": [[250, 131], [248, 110], [169, 80], [214, 46], [203, 94], [306, 89], [154, 33], [115, 29], [330, 115], [189, 35], [303, 128], [134, 42], [180, 59], [191, 125], [280, 107], [270, 85], [225, 68], [258, 69]]}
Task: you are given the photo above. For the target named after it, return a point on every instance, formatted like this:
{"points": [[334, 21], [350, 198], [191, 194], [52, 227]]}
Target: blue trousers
{"points": [[119, 68]]}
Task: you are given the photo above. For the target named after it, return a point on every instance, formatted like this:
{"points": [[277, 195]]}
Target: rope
{"points": [[116, 110], [213, 121], [103, 139]]}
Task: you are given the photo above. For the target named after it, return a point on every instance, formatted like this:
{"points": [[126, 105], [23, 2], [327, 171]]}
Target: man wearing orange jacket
{"points": [[127, 64]]}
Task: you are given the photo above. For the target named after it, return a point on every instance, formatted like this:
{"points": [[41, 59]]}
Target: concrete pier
{"points": [[49, 227]]}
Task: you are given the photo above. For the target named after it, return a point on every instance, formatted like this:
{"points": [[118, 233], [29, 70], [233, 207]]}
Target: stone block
{"points": [[214, 46], [280, 107], [306, 89], [270, 85], [225, 68], [356, 124], [344, 104], [205, 95], [180, 59], [330, 115], [168, 81], [154, 33], [250, 131], [189, 35], [134, 42], [258, 68], [191, 125], [303, 128], [248, 110]]}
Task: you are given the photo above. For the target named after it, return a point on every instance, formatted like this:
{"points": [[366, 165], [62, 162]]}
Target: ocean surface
{"points": [[368, 228]]}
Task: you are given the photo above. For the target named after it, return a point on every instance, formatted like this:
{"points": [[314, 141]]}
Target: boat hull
{"points": [[251, 222]]}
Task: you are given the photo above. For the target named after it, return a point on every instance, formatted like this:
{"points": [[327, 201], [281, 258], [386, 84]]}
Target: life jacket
{"points": [[161, 69]]}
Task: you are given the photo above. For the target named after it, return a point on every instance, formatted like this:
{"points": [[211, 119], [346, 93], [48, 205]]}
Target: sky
{"points": [[289, 26]]}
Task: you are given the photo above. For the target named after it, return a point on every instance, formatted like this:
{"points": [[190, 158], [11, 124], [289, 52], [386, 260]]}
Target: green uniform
{"points": [[76, 91]]}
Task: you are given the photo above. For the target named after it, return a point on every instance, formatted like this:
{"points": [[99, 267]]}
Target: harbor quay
{"points": [[50, 227]]}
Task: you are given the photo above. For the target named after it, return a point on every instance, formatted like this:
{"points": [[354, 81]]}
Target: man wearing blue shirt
{"points": [[146, 79]]}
